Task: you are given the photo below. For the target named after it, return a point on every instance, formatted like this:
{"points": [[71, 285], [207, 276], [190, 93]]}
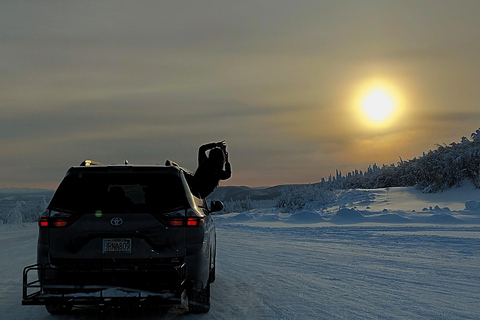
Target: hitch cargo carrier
{"points": [[37, 292]]}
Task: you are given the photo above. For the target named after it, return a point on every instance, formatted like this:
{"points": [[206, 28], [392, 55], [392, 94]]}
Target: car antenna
{"points": [[126, 162]]}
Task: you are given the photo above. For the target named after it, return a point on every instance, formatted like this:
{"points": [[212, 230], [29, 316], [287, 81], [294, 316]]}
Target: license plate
{"points": [[123, 245]]}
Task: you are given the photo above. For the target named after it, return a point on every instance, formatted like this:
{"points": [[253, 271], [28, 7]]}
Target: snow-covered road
{"points": [[328, 272], [347, 273]]}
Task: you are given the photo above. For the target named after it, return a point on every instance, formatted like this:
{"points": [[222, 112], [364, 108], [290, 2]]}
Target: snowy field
{"points": [[373, 254]]}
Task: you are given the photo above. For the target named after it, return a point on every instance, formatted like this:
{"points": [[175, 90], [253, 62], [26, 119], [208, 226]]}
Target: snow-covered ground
{"points": [[373, 254]]}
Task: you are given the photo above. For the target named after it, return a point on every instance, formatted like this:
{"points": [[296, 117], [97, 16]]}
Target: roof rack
{"points": [[88, 163]]}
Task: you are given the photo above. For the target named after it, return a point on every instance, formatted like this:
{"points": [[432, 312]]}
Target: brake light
{"points": [[174, 222], [43, 222], [60, 223], [177, 219], [195, 222], [55, 219], [182, 222]]}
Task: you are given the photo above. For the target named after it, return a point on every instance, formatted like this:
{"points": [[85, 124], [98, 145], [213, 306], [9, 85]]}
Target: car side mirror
{"points": [[216, 206]]}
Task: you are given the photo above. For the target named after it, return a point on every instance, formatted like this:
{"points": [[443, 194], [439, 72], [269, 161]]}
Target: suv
{"points": [[124, 234]]}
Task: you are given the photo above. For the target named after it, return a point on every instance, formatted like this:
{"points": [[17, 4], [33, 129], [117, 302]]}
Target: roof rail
{"points": [[88, 163]]}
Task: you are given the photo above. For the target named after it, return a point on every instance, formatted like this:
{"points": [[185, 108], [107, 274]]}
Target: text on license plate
{"points": [[122, 245]]}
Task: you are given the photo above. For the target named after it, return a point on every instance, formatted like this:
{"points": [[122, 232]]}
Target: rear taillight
{"points": [[43, 222], [55, 219], [179, 219], [173, 222], [195, 222]]}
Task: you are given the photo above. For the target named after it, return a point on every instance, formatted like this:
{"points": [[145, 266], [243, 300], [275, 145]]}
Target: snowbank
{"points": [[348, 216], [472, 205], [376, 206], [304, 217]]}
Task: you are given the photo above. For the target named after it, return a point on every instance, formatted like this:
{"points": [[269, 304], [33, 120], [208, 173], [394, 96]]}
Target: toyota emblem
{"points": [[116, 222]]}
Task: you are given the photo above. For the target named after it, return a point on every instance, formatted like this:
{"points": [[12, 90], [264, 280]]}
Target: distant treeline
{"points": [[439, 169]]}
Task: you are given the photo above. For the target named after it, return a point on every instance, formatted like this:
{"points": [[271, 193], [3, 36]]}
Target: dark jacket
{"points": [[210, 171]]}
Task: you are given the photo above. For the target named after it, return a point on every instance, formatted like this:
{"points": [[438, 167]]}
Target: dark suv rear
{"points": [[137, 230]]}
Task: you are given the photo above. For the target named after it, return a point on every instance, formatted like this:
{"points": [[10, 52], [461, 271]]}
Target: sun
{"points": [[378, 105]]}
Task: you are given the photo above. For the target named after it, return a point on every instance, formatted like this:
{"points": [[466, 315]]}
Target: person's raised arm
{"points": [[202, 151]]}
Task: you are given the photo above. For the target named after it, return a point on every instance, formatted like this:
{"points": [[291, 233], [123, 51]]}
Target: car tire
{"points": [[56, 309], [199, 300], [211, 277]]}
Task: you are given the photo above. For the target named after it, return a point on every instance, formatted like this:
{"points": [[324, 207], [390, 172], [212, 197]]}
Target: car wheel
{"points": [[58, 308], [199, 300]]}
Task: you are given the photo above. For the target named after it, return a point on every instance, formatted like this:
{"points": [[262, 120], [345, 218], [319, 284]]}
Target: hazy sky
{"points": [[281, 81]]}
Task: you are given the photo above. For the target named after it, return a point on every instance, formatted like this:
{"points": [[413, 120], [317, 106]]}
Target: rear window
{"points": [[119, 192]]}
